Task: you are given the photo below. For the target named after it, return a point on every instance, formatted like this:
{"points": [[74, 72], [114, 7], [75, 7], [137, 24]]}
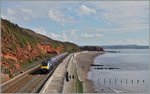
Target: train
{"points": [[49, 64]]}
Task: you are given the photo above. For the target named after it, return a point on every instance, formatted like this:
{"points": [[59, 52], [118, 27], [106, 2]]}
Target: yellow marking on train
{"points": [[44, 67]]}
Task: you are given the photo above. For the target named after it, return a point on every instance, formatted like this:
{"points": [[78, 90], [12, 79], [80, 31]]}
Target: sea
{"points": [[126, 71]]}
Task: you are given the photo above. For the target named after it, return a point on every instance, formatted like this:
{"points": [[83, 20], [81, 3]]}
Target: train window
{"points": [[49, 59], [44, 63]]}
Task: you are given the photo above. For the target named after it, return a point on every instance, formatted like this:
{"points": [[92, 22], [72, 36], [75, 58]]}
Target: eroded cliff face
{"points": [[20, 46], [47, 48], [12, 60]]}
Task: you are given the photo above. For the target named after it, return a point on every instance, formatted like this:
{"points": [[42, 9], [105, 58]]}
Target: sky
{"points": [[83, 22]]}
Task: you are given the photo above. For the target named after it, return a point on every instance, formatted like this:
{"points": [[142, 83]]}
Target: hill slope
{"points": [[91, 48], [20, 46]]}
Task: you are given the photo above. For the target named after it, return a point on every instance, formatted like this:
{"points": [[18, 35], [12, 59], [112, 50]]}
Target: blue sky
{"points": [[83, 22]]}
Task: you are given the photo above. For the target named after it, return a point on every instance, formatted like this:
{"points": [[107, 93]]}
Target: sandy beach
{"points": [[84, 61], [78, 66]]}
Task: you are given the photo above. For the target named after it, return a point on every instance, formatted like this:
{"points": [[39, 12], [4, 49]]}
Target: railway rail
{"points": [[31, 81]]}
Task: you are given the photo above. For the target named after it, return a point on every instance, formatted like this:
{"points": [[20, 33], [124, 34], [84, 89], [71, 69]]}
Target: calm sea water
{"points": [[124, 72]]}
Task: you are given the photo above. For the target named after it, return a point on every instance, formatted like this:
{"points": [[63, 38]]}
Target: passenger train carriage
{"points": [[50, 63]]}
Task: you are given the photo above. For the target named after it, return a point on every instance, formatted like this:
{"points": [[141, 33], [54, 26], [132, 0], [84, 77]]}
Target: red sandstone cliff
{"points": [[20, 46]]}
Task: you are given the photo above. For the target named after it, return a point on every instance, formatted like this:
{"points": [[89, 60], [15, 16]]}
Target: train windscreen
{"points": [[44, 63]]}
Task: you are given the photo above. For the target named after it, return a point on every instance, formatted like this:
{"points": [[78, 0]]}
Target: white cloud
{"points": [[3, 16], [123, 14], [10, 11], [71, 31], [126, 28], [85, 35], [134, 41], [55, 36], [70, 35], [59, 17], [69, 8], [55, 16], [18, 14], [85, 10], [112, 16], [65, 35], [40, 30], [29, 12], [129, 41]]}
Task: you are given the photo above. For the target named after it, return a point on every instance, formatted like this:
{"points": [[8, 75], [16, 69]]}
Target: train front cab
{"points": [[45, 67]]}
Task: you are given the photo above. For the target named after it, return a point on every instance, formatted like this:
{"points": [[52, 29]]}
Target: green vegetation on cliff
{"points": [[21, 46]]}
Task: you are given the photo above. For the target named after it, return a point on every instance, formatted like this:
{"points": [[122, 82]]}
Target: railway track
{"points": [[30, 82]]}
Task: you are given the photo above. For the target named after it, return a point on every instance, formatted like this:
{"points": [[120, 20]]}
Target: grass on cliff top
{"points": [[24, 39], [55, 44], [22, 36], [18, 34], [70, 47]]}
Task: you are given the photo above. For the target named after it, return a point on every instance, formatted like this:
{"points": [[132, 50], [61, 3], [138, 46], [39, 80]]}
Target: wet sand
{"points": [[84, 61]]}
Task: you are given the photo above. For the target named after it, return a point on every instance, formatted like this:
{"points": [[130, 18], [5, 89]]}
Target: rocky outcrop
{"points": [[91, 48], [46, 48], [20, 46]]}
